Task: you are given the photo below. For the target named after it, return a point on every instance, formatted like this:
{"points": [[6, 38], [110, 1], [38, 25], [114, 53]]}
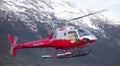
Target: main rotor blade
{"points": [[88, 14]]}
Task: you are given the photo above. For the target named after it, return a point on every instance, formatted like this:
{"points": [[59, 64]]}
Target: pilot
{"points": [[72, 37]]}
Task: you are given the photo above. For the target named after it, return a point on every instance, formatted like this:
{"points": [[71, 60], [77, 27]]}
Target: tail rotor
{"points": [[13, 50]]}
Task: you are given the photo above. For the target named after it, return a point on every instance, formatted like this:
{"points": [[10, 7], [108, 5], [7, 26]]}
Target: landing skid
{"points": [[68, 54], [58, 55], [76, 55]]}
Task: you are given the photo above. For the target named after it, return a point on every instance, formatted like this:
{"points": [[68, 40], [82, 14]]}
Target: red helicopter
{"points": [[65, 38]]}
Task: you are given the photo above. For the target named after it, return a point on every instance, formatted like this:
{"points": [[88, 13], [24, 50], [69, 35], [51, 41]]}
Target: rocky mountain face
{"points": [[26, 19]]}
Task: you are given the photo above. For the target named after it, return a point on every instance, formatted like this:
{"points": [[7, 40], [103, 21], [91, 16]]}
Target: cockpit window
{"points": [[73, 32], [83, 32]]}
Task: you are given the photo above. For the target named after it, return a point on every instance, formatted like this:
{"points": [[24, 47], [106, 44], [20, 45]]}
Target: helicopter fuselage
{"points": [[63, 38]]}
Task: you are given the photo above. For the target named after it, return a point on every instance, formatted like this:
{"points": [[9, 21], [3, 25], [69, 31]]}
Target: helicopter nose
{"points": [[92, 38]]}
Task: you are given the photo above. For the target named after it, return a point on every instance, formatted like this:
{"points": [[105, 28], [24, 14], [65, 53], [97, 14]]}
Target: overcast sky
{"points": [[112, 5]]}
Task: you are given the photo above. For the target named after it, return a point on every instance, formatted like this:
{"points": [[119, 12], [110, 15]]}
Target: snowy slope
{"points": [[45, 10]]}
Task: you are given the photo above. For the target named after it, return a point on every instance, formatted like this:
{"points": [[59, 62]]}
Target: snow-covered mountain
{"points": [[25, 18], [37, 10]]}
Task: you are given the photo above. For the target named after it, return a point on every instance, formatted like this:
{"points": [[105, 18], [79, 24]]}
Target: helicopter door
{"points": [[72, 35]]}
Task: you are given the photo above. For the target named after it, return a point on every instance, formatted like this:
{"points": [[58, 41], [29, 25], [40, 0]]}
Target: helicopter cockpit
{"points": [[74, 34], [83, 32], [67, 32]]}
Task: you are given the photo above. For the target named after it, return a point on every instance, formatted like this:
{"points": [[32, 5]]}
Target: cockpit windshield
{"points": [[83, 32], [73, 33]]}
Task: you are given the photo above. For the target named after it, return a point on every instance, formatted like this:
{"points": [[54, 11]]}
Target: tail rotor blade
{"points": [[16, 39]]}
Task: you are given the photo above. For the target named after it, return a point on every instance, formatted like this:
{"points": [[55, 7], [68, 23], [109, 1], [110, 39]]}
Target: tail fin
{"points": [[13, 50]]}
